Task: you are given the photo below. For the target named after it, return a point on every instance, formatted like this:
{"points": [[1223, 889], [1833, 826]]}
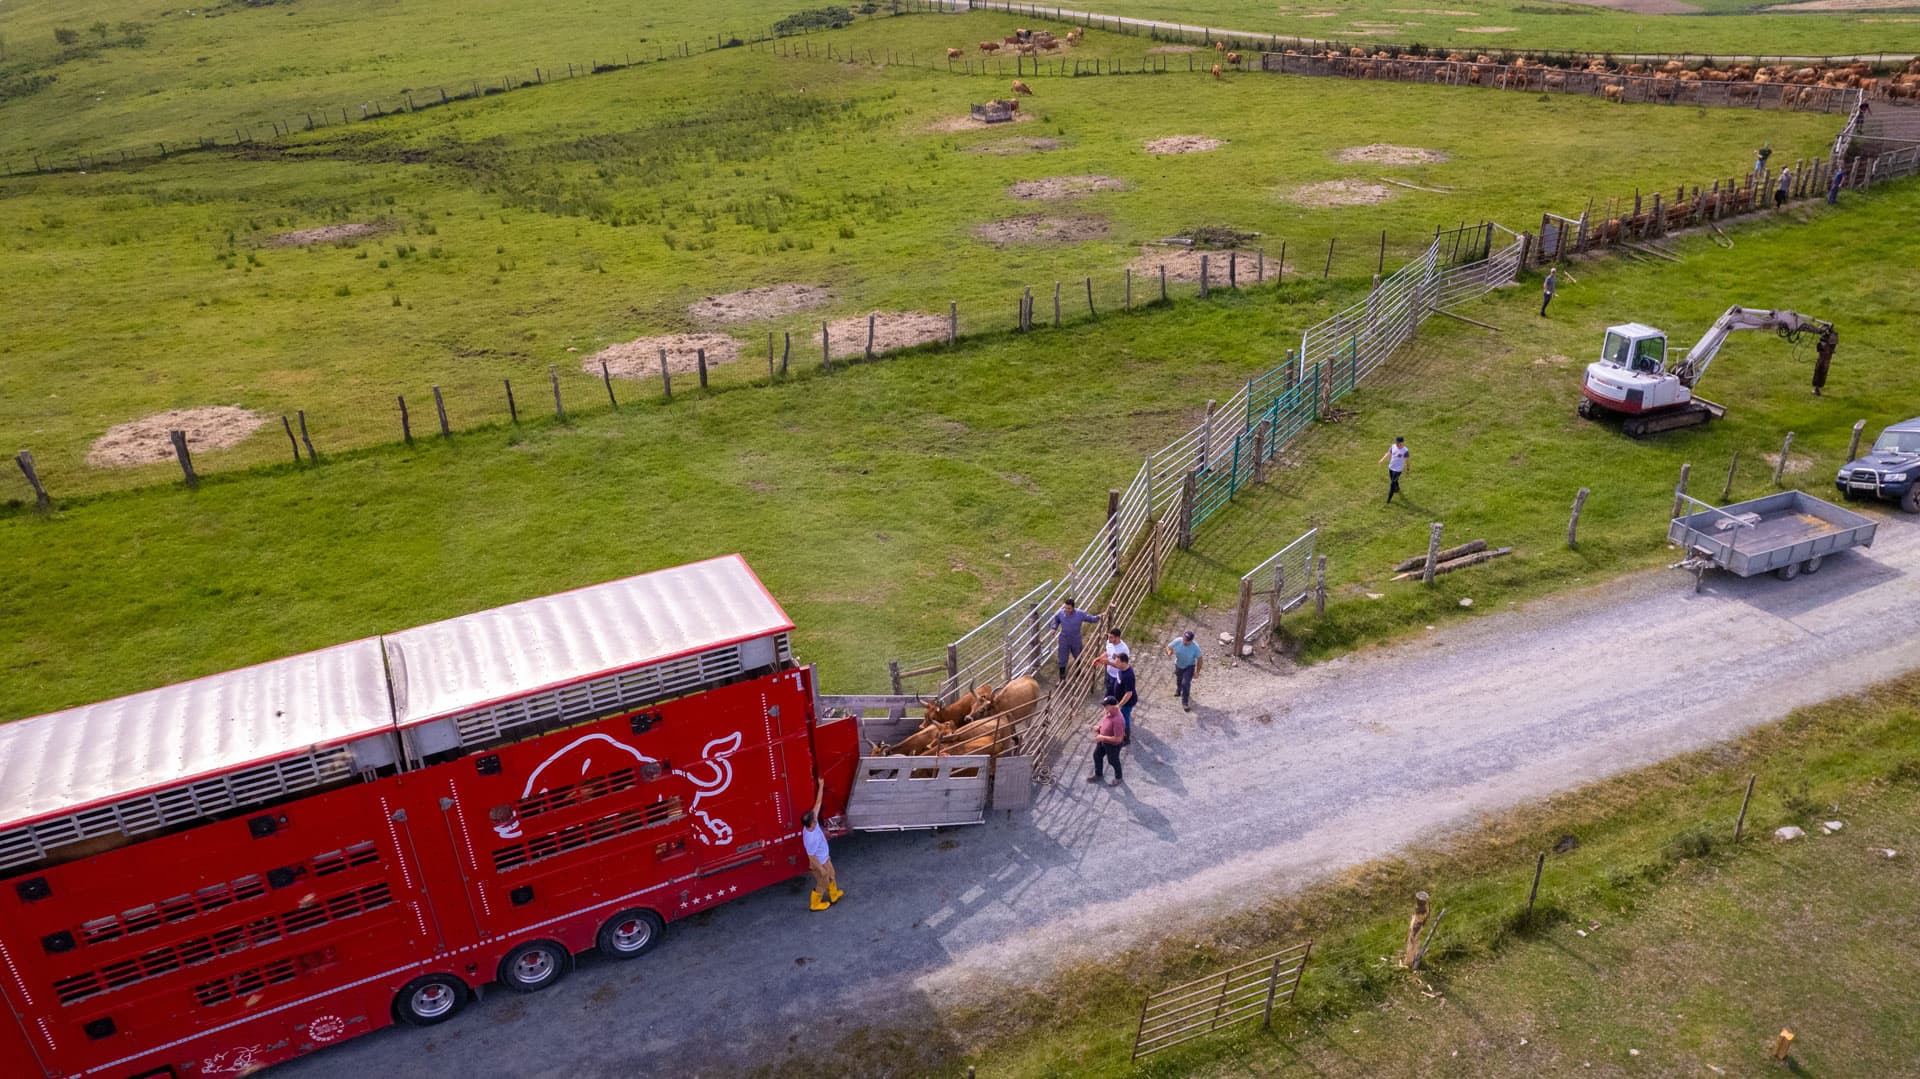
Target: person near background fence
{"points": [[1780, 190], [1116, 646], [1760, 158], [1108, 734], [1547, 289], [1834, 183], [1068, 620], [1396, 459], [1186, 664]]}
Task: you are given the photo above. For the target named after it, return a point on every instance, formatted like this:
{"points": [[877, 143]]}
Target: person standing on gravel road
{"points": [[1068, 620], [826, 889], [1121, 684], [1186, 664], [1108, 734]]}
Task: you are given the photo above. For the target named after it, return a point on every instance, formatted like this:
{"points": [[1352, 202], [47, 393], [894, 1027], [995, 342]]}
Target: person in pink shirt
{"points": [[1108, 734]]}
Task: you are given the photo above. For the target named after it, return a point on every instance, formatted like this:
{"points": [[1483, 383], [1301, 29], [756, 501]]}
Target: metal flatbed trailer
{"points": [[1784, 534]]}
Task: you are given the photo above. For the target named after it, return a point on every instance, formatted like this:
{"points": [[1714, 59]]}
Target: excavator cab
{"points": [[1638, 348]]}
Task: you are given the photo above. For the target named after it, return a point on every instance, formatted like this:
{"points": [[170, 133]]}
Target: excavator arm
{"points": [[1788, 324]]}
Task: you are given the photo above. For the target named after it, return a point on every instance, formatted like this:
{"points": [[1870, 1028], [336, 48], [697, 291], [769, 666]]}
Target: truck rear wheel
{"points": [[533, 966], [427, 1001], [629, 934], [1911, 500]]}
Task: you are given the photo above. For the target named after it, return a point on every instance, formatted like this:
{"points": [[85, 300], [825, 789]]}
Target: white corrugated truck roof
{"points": [[464, 663], [65, 761]]}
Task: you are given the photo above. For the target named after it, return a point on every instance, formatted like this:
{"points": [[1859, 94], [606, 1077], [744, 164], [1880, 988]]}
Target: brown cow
{"points": [[989, 46], [1022, 88], [921, 741], [1050, 44], [1014, 702], [1615, 92], [1233, 58], [1219, 46], [954, 54], [1216, 72], [960, 709]]}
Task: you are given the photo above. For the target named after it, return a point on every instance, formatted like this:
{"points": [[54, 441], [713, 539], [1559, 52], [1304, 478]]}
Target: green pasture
{"points": [[1724, 27], [532, 229], [890, 506], [1659, 946]]}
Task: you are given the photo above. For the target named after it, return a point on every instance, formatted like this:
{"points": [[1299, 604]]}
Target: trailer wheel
{"points": [[1813, 564], [1788, 572], [427, 1001], [629, 934], [533, 966]]}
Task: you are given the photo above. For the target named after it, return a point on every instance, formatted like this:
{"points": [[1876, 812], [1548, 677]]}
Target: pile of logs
{"points": [[982, 720], [1453, 558]]}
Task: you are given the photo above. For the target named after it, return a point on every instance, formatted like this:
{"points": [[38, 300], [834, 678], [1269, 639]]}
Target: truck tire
{"points": [[431, 1000], [629, 934], [1788, 572], [534, 966], [1813, 564], [1911, 500]]}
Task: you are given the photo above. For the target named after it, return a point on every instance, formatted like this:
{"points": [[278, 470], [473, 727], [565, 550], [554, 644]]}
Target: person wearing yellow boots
{"points": [[826, 890]]}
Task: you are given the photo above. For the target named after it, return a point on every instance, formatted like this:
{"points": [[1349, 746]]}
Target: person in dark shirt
{"points": [[1121, 684]]}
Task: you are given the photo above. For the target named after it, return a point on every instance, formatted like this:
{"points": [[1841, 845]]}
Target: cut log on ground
{"points": [[1419, 560], [1458, 563]]}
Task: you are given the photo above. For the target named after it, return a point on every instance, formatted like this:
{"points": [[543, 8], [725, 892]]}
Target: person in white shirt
{"points": [[1396, 459], [1115, 647], [826, 890]]}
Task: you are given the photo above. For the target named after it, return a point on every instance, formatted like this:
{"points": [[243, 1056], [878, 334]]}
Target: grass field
{"points": [[1721, 26], [892, 505], [1660, 947], [521, 228]]}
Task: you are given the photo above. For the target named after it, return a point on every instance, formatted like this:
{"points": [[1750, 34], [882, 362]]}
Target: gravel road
{"points": [[1279, 776]]}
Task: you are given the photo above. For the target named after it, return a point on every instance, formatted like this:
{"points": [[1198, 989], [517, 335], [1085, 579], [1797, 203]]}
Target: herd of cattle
{"points": [[976, 722]]}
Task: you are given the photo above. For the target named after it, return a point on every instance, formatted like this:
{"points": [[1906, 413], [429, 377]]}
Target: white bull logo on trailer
{"points": [[710, 777]]}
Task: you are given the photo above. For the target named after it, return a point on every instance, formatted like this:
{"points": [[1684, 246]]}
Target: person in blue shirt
{"points": [[1068, 620], [1186, 664]]}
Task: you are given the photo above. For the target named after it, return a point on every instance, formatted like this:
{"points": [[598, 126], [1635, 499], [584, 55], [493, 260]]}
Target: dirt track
{"points": [[1277, 777]]}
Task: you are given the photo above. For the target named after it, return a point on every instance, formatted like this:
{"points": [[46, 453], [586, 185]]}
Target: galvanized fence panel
{"points": [[1228, 998], [1284, 581]]}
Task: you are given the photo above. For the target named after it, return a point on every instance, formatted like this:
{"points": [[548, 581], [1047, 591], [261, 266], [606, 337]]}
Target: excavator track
{"points": [[1692, 414]]}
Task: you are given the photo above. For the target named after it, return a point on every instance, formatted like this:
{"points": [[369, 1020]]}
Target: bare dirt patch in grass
{"points": [[640, 357], [1005, 147], [1486, 29], [1644, 7], [891, 330], [1381, 153], [1340, 193], [326, 234], [1430, 11], [1169, 50], [751, 304], [1063, 187], [1041, 228], [1842, 5], [1184, 144], [146, 440], [1183, 265], [949, 124], [1796, 462], [1555, 360]]}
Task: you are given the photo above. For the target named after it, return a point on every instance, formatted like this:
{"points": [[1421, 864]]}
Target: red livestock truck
{"points": [[204, 879]]}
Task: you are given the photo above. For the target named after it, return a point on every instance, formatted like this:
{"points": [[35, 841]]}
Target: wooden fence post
{"points": [[1320, 589], [1731, 467], [1233, 269], [179, 439], [666, 380], [893, 673], [1680, 491], [1328, 270], [1740, 825], [1163, 282], [1273, 598], [606, 376], [953, 669], [786, 350], [1056, 305], [1129, 300], [1573, 522], [1203, 275], [553, 376], [1280, 269], [440, 406], [1539, 864], [1853, 447], [1260, 266], [513, 412], [312, 457], [1206, 436], [1414, 925], [1091, 313], [1113, 530], [288, 425], [25, 460], [1780, 466], [1433, 552], [406, 428], [1240, 617], [1187, 492], [871, 316], [826, 352], [700, 365], [953, 322]]}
